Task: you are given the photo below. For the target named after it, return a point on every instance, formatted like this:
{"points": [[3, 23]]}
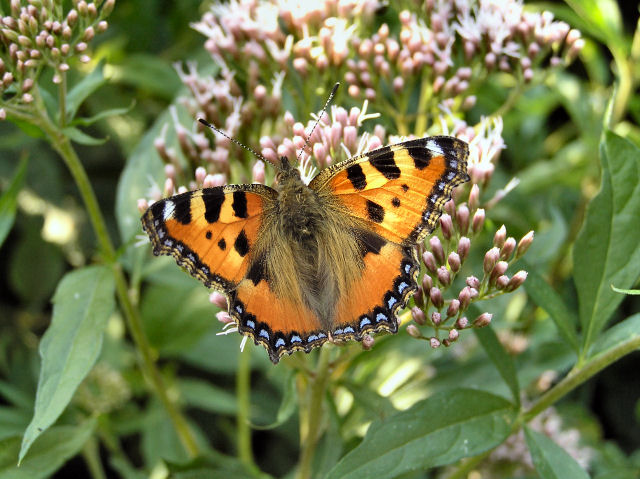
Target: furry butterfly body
{"points": [[303, 264]]}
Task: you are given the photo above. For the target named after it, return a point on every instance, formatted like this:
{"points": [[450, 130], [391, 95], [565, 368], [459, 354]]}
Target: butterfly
{"points": [[304, 264]]}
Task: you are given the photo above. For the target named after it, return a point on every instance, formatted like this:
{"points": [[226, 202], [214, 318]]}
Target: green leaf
{"points": [[287, 405], [81, 137], [634, 292], [607, 249], [9, 200], [546, 298], [439, 430], [149, 73], [82, 304], [602, 18], [103, 114], [625, 331], [205, 396], [48, 453], [85, 87], [212, 465], [550, 460], [500, 359]]}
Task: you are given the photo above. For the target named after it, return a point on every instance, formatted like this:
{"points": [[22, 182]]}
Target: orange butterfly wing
{"points": [[209, 231], [399, 190]]}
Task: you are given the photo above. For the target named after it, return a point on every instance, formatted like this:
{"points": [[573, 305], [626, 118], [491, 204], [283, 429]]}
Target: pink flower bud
{"points": [[436, 297], [436, 249], [430, 261], [418, 315], [463, 248], [474, 197], [427, 283], [367, 342], [218, 299], [500, 237], [453, 335], [464, 298], [498, 270], [462, 218], [418, 297], [490, 259], [434, 342], [472, 282], [436, 318], [447, 226], [508, 248], [443, 276], [454, 307], [524, 244], [454, 261], [478, 221], [224, 317], [413, 331], [516, 280], [502, 282], [143, 204], [258, 172], [483, 320], [450, 207], [462, 322]]}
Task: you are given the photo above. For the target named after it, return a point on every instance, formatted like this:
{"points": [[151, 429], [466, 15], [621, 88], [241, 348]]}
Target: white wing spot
{"points": [[433, 146], [169, 206]]}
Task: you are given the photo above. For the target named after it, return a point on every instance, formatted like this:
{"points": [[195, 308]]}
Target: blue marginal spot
{"points": [[338, 332], [312, 338], [391, 301], [381, 317], [295, 339], [263, 333], [322, 335], [348, 329], [280, 342], [364, 322], [251, 324]]}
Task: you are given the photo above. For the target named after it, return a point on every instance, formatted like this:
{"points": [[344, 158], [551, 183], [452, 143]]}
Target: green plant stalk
{"points": [[63, 146], [578, 375], [625, 86], [243, 394], [91, 456], [310, 431]]}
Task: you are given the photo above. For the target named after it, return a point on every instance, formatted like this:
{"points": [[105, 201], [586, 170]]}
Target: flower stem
{"points": [[62, 145], [243, 393], [312, 419]]}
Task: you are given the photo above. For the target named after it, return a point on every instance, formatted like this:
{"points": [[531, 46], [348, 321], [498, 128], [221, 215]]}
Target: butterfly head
{"points": [[287, 175]]}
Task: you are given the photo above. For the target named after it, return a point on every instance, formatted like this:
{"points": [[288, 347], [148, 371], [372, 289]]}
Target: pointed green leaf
{"points": [[103, 114], [550, 460], [85, 87], [439, 430], [9, 200], [607, 250], [287, 405], [500, 359], [545, 297], [623, 332], [81, 137], [48, 453], [82, 304], [634, 292], [203, 395]]}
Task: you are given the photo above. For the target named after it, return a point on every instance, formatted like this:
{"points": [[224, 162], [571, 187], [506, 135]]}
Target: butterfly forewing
{"points": [[399, 190], [211, 231]]}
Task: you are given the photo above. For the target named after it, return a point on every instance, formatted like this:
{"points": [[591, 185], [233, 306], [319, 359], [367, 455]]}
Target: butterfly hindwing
{"points": [[389, 277], [210, 232], [399, 190]]}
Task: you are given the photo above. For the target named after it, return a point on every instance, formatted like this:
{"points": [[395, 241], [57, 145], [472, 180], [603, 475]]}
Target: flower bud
{"points": [[220, 300], [434, 342], [436, 297], [462, 218], [474, 197], [524, 244], [453, 335], [498, 270], [436, 249], [464, 244], [517, 280], [413, 331], [478, 220], [462, 322], [450, 207], [224, 317], [447, 226], [367, 342], [490, 260], [464, 298], [443, 276], [508, 248], [472, 282], [427, 283], [258, 172], [500, 237], [502, 282], [436, 318], [454, 261], [483, 320], [454, 307], [418, 315], [430, 261], [418, 297]]}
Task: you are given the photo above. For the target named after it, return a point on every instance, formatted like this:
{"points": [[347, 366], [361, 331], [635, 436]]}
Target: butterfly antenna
{"points": [[250, 150], [324, 108]]}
